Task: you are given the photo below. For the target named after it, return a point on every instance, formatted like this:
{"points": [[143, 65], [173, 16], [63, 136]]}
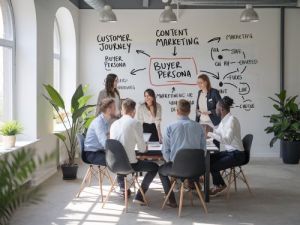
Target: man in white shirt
{"points": [[129, 132], [231, 154]]}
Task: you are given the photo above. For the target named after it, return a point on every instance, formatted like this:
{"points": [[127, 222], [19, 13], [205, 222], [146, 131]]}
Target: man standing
{"points": [[228, 134], [129, 132], [98, 132], [182, 134]]}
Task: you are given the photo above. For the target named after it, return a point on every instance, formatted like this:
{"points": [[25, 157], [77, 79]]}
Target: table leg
{"points": [[207, 174]]}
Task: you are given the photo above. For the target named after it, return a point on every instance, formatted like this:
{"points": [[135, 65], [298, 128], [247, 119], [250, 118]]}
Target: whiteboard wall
{"points": [[241, 59]]}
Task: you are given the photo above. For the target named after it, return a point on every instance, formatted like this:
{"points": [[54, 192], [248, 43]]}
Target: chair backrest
{"points": [[116, 158], [80, 139], [247, 143], [189, 163]]}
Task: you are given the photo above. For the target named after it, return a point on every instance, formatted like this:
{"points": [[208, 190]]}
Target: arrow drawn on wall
{"points": [[216, 76], [174, 52], [142, 52], [231, 85], [134, 71], [230, 73], [218, 39]]}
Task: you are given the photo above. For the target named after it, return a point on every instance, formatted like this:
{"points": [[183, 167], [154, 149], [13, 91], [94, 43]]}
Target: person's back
{"points": [[183, 134], [129, 132]]}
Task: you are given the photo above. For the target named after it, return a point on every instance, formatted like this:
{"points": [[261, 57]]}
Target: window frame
{"points": [[9, 111], [57, 56]]}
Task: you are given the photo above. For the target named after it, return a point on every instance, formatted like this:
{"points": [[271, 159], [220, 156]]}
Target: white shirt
{"points": [[129, 132], [144, 115], [203, 108], [229, 133]]}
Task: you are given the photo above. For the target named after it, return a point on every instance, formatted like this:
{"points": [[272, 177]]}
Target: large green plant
{"points": [[285, 124], [79, 120], [16, 168]]}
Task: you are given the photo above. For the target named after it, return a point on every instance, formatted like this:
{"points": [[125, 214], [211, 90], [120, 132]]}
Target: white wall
{"points": [[34, 36], [292, 52], [205, 24]]}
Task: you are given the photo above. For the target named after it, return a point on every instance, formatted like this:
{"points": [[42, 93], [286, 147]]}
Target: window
{"points": [[7, 53], [56, 57]]}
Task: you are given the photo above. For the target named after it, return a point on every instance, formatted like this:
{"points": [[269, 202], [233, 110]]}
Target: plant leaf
{"points": [[76, 96], [55, 96], [60, 136]]}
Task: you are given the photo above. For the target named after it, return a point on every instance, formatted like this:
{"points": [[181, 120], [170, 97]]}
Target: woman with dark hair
{"points": [[206, 104], [149, 114], [228, 134], [110, 91]]}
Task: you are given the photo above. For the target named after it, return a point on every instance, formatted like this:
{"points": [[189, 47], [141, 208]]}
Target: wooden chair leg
{"points": [[181, 198], [246, 181], [234, 177], [83, 182], [126, 194], [106, 173], [200, 197], [141, 190], [168, 195], [101, 176], [110, 190], [191, 197], [229, 182], [90, 176], [135, 180]]}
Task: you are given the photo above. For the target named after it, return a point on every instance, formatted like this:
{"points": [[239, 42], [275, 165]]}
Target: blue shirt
{"points": [[182, 134], [97, 134]]}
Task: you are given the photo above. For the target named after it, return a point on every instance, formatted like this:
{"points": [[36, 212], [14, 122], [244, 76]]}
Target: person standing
{"points": [[110, 91], [206, 104], [182, 134], [149, 114], [129, 132], [98, 132], [228, 134]]}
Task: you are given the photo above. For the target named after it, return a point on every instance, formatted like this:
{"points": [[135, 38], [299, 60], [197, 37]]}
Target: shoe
{"points": [[217, 190], [139, 201], [172, 204]]}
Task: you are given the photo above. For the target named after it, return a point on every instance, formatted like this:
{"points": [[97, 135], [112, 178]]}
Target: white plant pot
{"points": [[9, 141]]}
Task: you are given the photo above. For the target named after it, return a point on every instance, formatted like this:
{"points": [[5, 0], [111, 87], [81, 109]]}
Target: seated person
{"points": [[182, 134], [228, 134], [98, 132], [149, 114], [129, 132]]}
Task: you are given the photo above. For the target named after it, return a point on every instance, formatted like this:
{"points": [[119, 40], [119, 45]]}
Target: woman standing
{"points": [[149, 114], [207, 100], [110, 91]]}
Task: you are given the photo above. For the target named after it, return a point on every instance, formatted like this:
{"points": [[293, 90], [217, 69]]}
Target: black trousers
{"points": [[151, 128], [150, 168], [224, 160], [163, 174], [96, 158]]}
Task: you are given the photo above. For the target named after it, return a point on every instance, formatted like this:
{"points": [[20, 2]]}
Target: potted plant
{"points": [[76, 124], [9, 130], [286, 127]]}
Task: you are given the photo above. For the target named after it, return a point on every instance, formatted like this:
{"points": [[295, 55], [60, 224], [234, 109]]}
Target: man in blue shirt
{"points": [[98, 132], [182, 134]]}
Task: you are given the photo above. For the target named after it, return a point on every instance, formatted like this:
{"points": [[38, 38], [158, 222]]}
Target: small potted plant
{"points": [[286, 127], [9, 130], [77, 123]]}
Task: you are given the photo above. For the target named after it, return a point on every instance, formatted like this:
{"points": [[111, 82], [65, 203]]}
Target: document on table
{"points": [[152, 146]]}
